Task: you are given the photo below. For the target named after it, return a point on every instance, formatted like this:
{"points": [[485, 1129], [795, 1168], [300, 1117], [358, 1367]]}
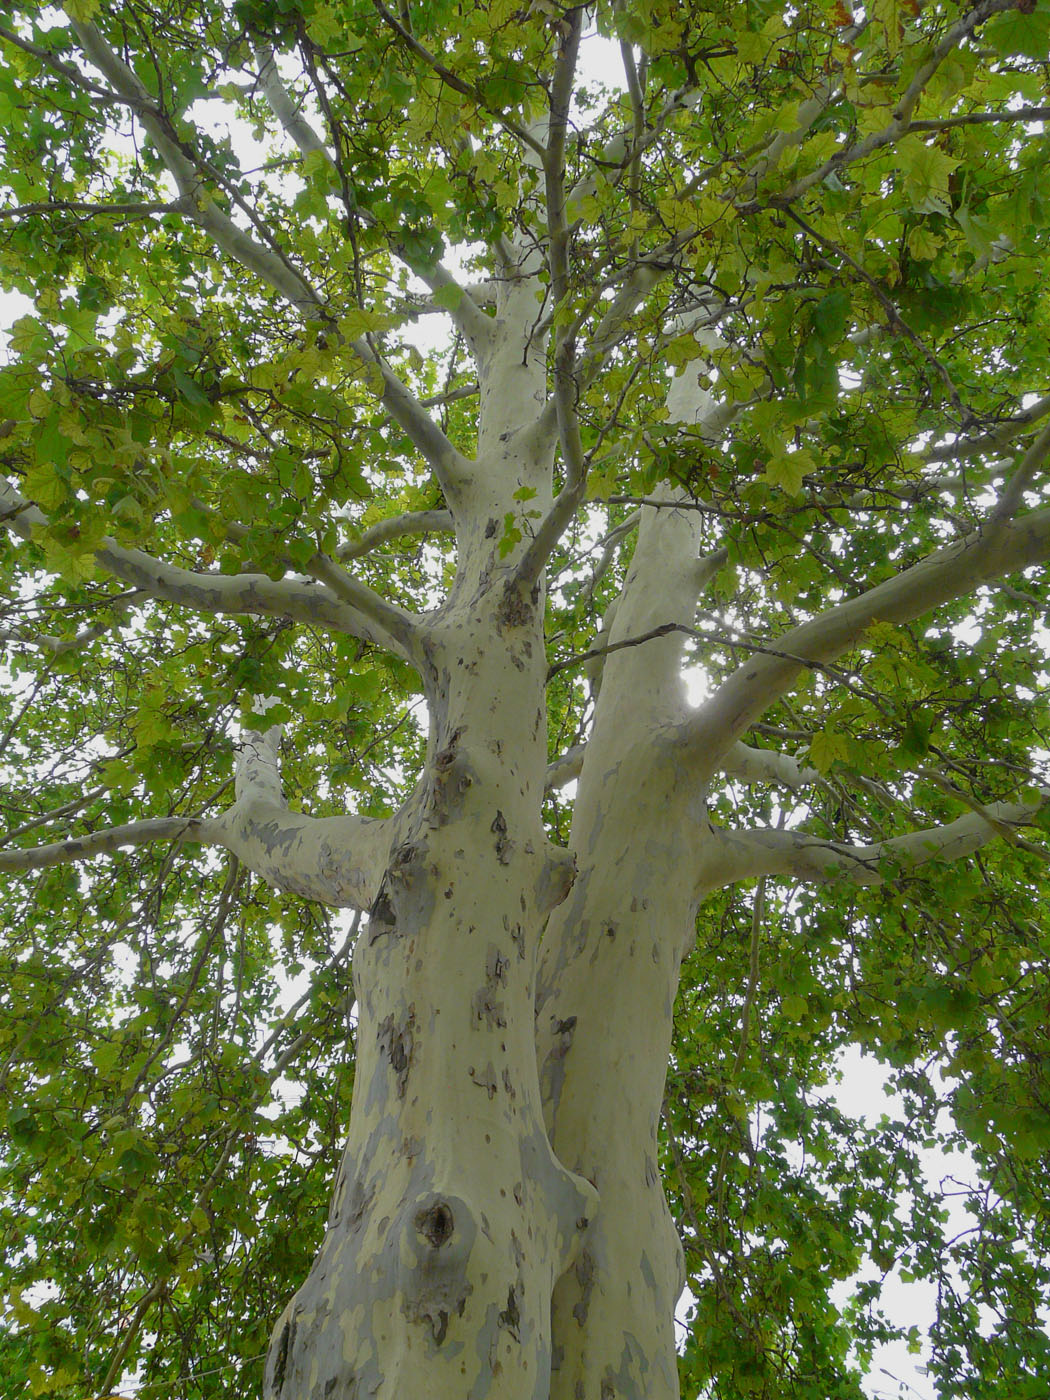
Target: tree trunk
{"points": [[607, 986], [452, 1218]]}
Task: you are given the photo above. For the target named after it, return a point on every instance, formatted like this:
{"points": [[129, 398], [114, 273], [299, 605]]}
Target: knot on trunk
{"points": [[436, 1223], [440, 1236]]}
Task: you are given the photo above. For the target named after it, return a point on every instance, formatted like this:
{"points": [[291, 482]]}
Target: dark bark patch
{"points": [[515, 609], [485, 1079], [504, 846], [396, 1043], [280, 1361], [436, 1223], [510, 1317], [381, 916]]}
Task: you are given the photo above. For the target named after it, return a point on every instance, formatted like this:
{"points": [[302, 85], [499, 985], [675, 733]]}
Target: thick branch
{"points": [[565, 769], [228, 593], [113, 838], [751, 765], [287, 111], [799, 856], [337, 860], [422, 522], [947, 574]]}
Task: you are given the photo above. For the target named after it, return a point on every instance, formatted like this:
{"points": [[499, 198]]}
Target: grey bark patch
{"points": [[556, 880], [489, 1009], [552, 1071], [585, 1272], [381, 916]]}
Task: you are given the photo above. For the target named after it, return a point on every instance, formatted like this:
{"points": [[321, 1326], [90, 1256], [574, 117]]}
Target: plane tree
{"points": [[524, 597]]}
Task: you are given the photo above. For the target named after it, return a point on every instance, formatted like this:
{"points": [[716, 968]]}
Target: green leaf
{"points": [[830, 316]]}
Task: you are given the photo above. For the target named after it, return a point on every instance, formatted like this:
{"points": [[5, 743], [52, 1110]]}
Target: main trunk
{"points": [[451, 1218]]}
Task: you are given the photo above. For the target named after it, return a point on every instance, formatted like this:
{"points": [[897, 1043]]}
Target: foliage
{"points": [[859, 208]]}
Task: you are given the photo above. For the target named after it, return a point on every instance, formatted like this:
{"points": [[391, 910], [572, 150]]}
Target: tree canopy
{"points": [[788, 285]]}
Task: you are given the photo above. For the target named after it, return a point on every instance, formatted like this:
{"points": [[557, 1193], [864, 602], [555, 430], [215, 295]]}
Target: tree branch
{"points": [[900, 124], [893, 316], [422, 522], [566, 387], [800, 856], [998, 437], [61, 646], [565, 769], [337, 860], [751, 765], [214, 593], [453, 80], [269, 263], [110, 839], [980, 558], [288, 112]]}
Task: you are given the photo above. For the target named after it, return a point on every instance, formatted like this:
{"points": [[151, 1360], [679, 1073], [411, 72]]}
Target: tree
{"points": [[745, 372]]}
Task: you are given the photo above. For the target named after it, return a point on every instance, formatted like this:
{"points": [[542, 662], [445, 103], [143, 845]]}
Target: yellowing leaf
{"points": [[787, 470], [923, 244], [826, 748]]}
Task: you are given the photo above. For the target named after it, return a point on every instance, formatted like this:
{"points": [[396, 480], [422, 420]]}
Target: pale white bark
{"points": [[798, 855], [451, 1218], [109, 840], [949, 573], [422, 522], [361, 613], [611, 959], [751, 765]]}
